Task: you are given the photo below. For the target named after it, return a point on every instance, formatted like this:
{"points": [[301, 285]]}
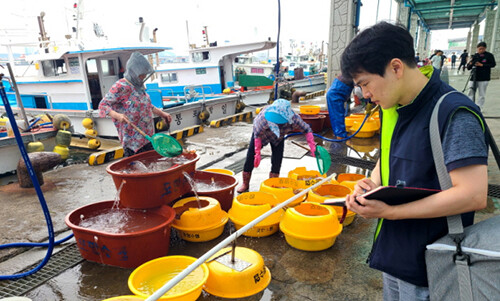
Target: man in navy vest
{"points": [[407, 96]]}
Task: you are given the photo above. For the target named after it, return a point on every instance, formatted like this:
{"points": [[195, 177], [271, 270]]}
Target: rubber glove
{"points": [[312, 144], [258, 146]]}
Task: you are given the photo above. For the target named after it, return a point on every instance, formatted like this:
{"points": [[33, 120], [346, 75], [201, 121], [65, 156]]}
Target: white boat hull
{"points": [[183, 116]]}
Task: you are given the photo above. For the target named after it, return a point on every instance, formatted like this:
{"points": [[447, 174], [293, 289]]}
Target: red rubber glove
{"points": [[312, 144], [258, 146]]}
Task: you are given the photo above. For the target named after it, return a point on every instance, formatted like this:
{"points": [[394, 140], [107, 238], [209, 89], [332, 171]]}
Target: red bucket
{"points": [[149, 190], [224, 195], [140, 241], [316, 122], [327, 125]]}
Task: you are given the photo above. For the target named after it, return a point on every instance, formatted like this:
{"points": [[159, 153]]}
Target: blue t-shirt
{"points": [[463, 142]]}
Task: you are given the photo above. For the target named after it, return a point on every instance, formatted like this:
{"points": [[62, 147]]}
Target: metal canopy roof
{"points": [[450, 14]]}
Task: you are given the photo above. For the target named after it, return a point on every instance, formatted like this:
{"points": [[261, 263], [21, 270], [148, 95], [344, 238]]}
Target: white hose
{"points": [[165, 288]]}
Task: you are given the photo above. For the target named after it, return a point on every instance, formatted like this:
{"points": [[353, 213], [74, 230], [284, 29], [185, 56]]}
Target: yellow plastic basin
{"points": [[305, 177], [332, 191], [283, 189], [152, 275], [310, 110], [125, 298], [220, 170], [226, 282], [349, 120], [310, 227], [250, 205], [199, 224], [349, 179], [368, 130]]}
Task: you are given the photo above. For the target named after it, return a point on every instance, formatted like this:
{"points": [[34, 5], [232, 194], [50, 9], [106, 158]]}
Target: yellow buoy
{"points": [[36, 146], [94, 143], [226, 91], [204, 115], [61, 122], [88, 123], [63, 138], [90, 133], [161, 125], [62, 150]]}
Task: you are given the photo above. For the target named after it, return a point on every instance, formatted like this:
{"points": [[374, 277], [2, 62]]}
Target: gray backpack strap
{"points": [[454, 222], [455, 227]]}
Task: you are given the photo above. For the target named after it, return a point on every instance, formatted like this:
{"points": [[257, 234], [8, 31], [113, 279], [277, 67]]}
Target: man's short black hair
{"points": [[373, 48], [481, 44]]}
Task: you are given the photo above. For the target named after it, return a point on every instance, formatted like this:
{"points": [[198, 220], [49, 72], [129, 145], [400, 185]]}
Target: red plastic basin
{"points": [[149, 190], [316, 122], [224, 195], [140, 243], [327, 124]]}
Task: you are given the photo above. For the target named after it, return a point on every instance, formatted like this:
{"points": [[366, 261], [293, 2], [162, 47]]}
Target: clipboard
{"points": [[393, 195]]}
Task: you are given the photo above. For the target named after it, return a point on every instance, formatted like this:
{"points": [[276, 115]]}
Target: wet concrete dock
{"points": [[338, 273]]}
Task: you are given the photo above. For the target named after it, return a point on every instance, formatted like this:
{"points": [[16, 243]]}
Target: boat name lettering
{"points": [[196, 113], [178, 118], [224, 108], [257, 277]]}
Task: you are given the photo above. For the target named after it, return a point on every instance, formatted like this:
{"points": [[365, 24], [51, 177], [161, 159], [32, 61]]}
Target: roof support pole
{"points": [[488, 26], [428, 43], [475, 37], [421, 47], [469, 40], [414, 28], [403, 14], [342, 31]]}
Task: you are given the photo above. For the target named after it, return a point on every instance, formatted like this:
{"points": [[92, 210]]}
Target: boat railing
{"points": [[171, 91], [191, 93]]}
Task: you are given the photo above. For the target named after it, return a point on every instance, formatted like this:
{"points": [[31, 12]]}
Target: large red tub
{"points": [[225, 183], [144, 234], [316, 122], [151, 189]]}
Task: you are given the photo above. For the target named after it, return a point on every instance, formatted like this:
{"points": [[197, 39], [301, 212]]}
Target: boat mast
{"points": [[44, 39]]}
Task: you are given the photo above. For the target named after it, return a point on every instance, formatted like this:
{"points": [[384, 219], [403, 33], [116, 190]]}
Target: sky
{"points": [[228, 21]]}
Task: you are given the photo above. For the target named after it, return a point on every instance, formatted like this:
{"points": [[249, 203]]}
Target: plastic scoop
{"points": [[165, 145], [323, 159]]}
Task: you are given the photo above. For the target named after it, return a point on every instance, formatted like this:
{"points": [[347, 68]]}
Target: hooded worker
{"points": [[127, 102], [271, 125]]}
